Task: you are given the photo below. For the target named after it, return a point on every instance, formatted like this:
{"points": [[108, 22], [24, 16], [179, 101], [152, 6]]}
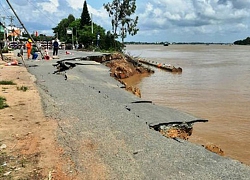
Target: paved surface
{"points": [[97, 116]]}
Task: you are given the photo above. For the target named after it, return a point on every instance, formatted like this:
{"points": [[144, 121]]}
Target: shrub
{"points": [[22, 88], [7, 83], [5, 50], [3, 103]]}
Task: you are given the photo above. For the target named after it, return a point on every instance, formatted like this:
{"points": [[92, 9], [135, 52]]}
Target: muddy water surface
{"points": [[214, 85]]}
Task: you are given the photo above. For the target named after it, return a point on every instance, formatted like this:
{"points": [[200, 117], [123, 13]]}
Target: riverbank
{"points": [[209, 87], [101, 130]]}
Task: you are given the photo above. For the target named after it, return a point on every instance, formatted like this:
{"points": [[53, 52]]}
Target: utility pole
{"points": [[1, 54], [11, 26], [22, 24], [73, 47], [92, 29], [20, 21]]}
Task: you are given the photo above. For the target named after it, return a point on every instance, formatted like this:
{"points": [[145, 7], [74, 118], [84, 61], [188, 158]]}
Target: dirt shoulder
{"points": [[28, 144]]}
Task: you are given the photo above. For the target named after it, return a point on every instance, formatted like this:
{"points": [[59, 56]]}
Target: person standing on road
{"points": [[29, 46], [55, 47]]}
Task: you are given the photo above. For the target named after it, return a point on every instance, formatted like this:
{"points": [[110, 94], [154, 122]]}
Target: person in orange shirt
{"points": [[29, 46]]}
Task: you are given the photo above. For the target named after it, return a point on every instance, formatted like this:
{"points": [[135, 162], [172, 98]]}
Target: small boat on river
{"points": [[166, 44]]}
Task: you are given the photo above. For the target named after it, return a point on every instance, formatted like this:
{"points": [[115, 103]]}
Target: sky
{"points": [[210, 21]]}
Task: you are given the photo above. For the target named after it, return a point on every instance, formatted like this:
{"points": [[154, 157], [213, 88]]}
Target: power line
{"points": [[4, 9], [34, 5], [7, 15], [11, 18], [5, 12], [38, 8]]}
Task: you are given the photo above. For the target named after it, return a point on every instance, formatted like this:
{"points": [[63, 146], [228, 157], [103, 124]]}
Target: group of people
{"points": [[32, 50]]}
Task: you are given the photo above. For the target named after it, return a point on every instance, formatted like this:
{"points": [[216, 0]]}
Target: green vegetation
{"points": [[7, 83], [22, 88], [87, 34], [85, 18], [5, 50], [243, 42], [120, 13], [3, 103], [1, 35], [3, 158], [11, 163], [4, 88], [94, 37]]}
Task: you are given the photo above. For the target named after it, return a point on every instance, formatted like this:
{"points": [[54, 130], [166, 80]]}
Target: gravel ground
{"points": [[101, 126]]}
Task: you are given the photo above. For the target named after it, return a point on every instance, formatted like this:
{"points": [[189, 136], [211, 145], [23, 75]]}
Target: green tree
{"points": [[76, 27], [1, 30], [84, 34], [243, 42], [1, 35], [88, 38], [61, 28], [111, 44], [85, 18], [71, 18], [120, 12]]}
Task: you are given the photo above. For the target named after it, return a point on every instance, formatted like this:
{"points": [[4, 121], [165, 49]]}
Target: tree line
{"points": [[92, 35], [243, 42]]}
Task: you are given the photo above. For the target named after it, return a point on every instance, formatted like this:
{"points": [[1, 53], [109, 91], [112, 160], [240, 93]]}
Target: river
{"points": [[214, 85]]}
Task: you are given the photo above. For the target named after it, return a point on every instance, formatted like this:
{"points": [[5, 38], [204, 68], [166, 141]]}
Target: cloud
{"points": [[194, 12], [168, 14], [21, 2], [237, 4], [100, 16], [51, 6], [75, 4], [174, 19]]}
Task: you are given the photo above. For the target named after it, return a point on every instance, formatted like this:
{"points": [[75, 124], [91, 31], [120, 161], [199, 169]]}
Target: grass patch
{"points": [[7, 83], [3, 159], [9, 163], [3, 103], [4, 88], [22, 88]]}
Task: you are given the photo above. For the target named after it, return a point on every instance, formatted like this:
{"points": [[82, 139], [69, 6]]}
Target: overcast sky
{"points": [[159, 20]]}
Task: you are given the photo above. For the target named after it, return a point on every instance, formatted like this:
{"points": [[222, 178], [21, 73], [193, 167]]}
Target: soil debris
{"points": [[215, 149], [182, 130], [123, 66]]}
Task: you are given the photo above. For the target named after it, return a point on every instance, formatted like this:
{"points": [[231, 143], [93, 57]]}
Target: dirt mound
{"points": [[215, 149], [123, 66]]}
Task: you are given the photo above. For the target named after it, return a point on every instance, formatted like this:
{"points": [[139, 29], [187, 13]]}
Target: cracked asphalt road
{"points": [[101, 127]]}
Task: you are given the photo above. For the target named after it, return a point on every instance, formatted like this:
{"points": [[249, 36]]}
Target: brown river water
{"points": [[214, 85]]}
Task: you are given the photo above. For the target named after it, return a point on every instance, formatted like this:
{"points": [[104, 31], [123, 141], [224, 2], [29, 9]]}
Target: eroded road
{"points": [[106, 135]]}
